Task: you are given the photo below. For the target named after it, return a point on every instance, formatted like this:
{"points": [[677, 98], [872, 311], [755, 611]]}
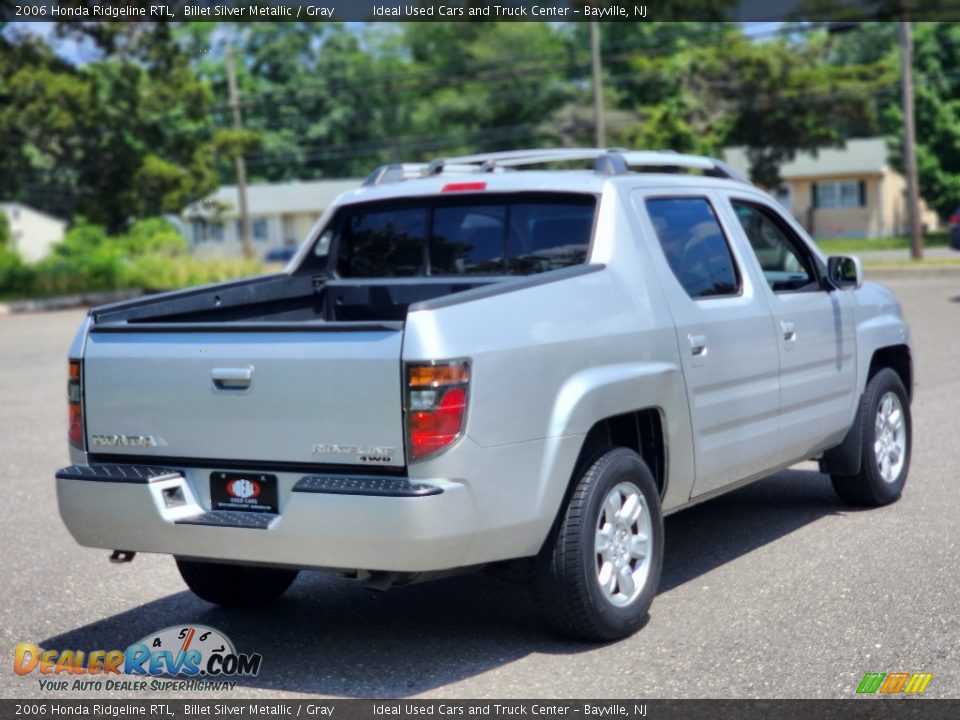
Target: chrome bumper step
{"points": [[231, 518], [138, 474]]}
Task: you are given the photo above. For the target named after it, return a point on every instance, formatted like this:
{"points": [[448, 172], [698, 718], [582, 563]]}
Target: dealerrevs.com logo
{"points": [[194, 656]]}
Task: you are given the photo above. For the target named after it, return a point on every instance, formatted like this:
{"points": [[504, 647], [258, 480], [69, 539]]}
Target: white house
{"points": [[33, 232], [281, 214]]}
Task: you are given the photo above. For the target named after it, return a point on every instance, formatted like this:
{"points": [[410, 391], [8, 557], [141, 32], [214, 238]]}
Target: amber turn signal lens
{"points": [[429, 376], [75, 405]]}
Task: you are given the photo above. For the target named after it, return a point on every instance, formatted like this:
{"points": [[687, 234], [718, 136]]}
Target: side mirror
{"points": [[845, 272]]}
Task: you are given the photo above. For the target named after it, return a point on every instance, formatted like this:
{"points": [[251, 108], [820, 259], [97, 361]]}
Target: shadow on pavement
{"points": [[332, 637], [712, 534]]}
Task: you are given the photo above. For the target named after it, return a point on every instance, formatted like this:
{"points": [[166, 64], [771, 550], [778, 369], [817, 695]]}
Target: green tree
{"points": [[489, 87], [937, 115], [126, 135], [936, 62], [776, 98], [5, 238]]}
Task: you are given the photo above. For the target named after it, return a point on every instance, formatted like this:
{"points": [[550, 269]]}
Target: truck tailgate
{"points": [[283, 396]]}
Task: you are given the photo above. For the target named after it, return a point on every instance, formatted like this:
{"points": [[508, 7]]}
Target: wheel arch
{"points": [[898, 359], [845, 458]]}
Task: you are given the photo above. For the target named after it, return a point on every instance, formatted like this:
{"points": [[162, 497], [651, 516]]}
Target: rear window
{"points": [[465, 236]]}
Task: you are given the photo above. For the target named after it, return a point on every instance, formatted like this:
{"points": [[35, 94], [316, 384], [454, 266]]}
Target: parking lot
{"points": [[775, 590]]}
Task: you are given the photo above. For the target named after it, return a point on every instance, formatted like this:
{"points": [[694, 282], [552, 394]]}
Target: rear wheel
{"points": [[885, 445], [235, 585], [599, 571]]}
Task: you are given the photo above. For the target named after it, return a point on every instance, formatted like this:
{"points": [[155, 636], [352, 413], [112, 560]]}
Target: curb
{"points": [[66, 302], [906, 272]]}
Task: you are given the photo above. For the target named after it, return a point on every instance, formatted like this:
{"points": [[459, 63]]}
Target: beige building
{"points": [[34, 233], [281, 214], [844, 192]]}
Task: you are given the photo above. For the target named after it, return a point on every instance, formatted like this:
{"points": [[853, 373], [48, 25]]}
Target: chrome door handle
{"points": [[698, 345], [232, 378], [789, 332]]}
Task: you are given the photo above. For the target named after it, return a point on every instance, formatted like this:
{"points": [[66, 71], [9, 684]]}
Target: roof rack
{"points": [[612, 161]]}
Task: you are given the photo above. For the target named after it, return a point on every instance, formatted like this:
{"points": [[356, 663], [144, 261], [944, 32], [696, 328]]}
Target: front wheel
{"points": [[599, 570], [885, 444], [238, 586]]}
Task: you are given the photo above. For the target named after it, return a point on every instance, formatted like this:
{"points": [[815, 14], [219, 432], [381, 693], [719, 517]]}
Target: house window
{"points": [[840, 194], [784, 196], [258, 229], [215, 231], [197, 231]]}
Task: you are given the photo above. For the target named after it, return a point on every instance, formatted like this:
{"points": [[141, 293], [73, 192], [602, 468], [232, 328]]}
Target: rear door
{"points": [[816, 331], [318, 396], [725, 333]]}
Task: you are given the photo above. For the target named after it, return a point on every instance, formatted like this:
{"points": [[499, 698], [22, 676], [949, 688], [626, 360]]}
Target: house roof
{"points": [[866, 156], [275, 198], [7, 206]]}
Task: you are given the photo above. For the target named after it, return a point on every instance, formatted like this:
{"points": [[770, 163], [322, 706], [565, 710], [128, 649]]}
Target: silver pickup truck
{"points": [[476, 363]]}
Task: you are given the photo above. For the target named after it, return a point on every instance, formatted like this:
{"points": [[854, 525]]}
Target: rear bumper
{"points": [[335, 522]]}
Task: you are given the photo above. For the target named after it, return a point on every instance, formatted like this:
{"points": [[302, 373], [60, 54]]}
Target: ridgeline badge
{"points": [[192, 652]]}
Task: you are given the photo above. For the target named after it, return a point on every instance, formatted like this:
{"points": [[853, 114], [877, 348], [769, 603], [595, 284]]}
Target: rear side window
{"points": [[694, 246], [494, 235]]}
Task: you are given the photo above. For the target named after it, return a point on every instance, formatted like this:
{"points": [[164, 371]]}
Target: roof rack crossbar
{"points": [[613, 161]]}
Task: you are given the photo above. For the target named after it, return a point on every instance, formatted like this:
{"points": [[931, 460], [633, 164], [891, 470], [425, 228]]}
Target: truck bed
{"points": [[284, 299]]}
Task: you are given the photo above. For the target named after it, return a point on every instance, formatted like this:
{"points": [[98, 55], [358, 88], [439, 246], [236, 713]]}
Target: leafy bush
{"points": [[100, 269], [16, 278], [159, 272], [4, 231], [151, 256], [81, 240], [155, 235]]}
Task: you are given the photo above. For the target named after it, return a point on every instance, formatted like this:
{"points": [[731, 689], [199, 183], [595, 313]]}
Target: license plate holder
{"points": [[244, 492]]}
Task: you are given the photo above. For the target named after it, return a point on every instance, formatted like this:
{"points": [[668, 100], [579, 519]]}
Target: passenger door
{"points": [[815, 326], [725, 333]]}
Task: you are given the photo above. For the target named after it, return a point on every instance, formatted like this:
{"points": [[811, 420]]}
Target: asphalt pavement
{"points": [[774, 590]]}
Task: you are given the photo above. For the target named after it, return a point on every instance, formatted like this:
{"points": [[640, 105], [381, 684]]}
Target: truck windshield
{"points": [[493, 235]]}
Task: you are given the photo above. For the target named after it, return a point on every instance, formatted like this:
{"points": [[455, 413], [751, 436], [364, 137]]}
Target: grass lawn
{"points": [[915, 264], [852, 246]]}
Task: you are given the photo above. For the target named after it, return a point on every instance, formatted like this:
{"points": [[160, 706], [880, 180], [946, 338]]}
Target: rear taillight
{"points": [[955, 219], [75, 404], [436, 405]]}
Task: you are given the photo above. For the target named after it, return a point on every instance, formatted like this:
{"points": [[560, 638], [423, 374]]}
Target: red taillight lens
{"points": [[955, 219], [436, 406], [75, 405]]}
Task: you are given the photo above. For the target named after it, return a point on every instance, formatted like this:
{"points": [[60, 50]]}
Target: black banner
{"points": [[854, 709]]}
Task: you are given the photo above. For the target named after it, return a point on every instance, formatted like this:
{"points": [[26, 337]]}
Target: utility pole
{"points": [[599, 121], [910, 138], [240, 163]]}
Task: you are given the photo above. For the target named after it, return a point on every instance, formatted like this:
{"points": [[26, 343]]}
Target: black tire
{"points": [[868, 488], [568, 568], [235, 586]]}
